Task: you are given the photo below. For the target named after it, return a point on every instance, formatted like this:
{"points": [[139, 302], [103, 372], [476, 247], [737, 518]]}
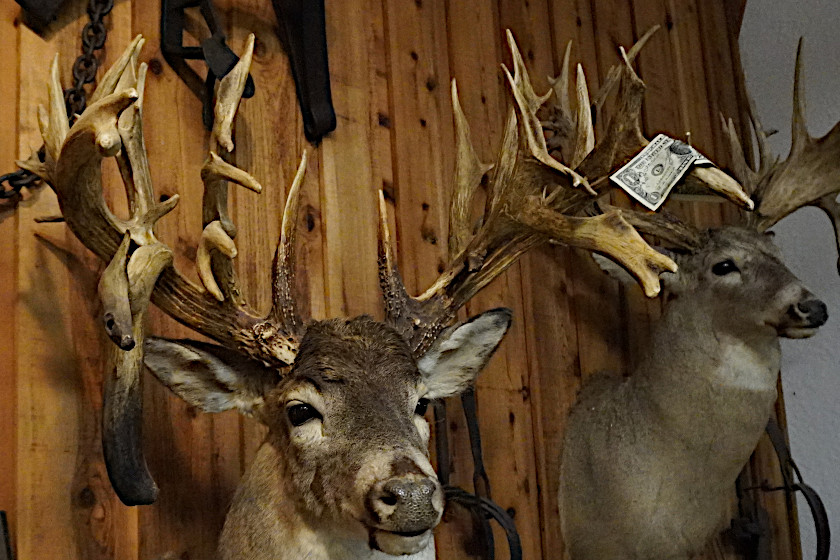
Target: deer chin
{"points": [[400, 544], [797, 332]]}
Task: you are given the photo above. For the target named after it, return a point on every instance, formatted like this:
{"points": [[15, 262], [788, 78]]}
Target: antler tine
{"points": [[809, 176], [284, 309], [766, 160], [560, 121], [561, 85], [743, 172], [528, 103], [108, 84], [468, 174], [623, 137], [799, 137], [585, 137], [749, 176], [57, 119], [401, 310], [229, 94], [614, 74], [572, 134]]}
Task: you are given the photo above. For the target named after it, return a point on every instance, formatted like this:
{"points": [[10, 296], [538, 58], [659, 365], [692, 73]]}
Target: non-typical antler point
{"points": [[108, 142]]}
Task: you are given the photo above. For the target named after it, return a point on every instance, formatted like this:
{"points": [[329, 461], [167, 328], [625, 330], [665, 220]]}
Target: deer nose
{"points": [[408, 504], [814, 311]]}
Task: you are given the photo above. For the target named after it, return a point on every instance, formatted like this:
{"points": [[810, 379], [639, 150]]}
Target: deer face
{"points": [[348, 417], [738, 277]]}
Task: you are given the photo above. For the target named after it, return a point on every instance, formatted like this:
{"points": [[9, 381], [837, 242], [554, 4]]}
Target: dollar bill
{"points": [[650, 176]]}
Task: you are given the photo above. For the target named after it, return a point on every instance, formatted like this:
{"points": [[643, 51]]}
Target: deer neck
{"points": [[709, 384], [266, 522]]}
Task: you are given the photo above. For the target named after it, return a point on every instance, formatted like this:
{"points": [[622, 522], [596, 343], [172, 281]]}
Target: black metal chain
{"points": [[86, 65], [94, 35]]}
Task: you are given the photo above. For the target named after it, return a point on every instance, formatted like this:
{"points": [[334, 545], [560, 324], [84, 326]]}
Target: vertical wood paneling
{"points": [[50, 388], [421, 135], [687, 47], [473, 60], [8, 266], [356, 157], [719, 71], [391, 63]]}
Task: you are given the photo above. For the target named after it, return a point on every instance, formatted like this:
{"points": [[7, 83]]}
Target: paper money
{"points": [[650, 176]]}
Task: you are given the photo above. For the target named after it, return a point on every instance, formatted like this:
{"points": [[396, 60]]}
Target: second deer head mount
{"points": [[327, 390], [655, 456]]}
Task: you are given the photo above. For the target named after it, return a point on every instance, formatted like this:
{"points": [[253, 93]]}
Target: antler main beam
{"points": [[140, 266]]}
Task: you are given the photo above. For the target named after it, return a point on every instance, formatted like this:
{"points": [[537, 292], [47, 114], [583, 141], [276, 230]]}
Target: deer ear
{"points": [[461, 352], [209, 377]]}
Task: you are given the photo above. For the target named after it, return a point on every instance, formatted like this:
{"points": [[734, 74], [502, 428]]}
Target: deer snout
{"points": [[803, 318], [408, 504], [814, 312]]}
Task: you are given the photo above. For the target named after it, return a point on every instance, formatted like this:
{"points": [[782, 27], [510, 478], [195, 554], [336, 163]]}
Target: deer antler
{"points": [[532, 198], [810, 176], [140, 267]]}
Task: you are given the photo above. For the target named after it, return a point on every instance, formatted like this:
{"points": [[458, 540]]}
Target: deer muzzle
{"points": [[406, 507], [804, 318]]}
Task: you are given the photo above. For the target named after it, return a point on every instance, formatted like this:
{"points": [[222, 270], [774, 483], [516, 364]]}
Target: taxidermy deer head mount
{"points": [[655, 456], [344, 470]]}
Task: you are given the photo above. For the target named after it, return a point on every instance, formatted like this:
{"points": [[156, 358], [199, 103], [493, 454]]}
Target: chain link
{"points": [[94, 35], [86, 65]]}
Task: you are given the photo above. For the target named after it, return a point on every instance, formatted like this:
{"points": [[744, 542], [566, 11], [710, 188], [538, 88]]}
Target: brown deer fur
{"points": [[649, 462], [355, 481]]}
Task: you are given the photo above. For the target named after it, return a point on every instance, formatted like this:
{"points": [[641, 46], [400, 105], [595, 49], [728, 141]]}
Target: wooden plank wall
{"points": [[391, 63]]}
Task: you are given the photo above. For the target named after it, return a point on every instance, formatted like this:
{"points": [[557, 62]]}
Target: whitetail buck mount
{"points": [[344, 471], [655, 456]]}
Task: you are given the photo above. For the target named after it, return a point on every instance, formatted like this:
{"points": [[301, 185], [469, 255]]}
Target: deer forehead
{"points": [[354, 358], [741, 244]]}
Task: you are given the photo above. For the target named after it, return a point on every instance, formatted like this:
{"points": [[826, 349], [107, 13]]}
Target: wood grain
{"points": [[9, 90], [50, 393]]}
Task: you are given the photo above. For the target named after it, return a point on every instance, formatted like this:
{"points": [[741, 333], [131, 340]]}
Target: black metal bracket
{"points": [[38, 14], [214, 51], [752, 531], [304, 35], [6, 550]]}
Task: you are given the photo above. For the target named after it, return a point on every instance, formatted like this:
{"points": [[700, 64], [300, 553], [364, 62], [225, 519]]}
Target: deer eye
{"points": [[422, 407], [302, 413], [725, 267]]}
